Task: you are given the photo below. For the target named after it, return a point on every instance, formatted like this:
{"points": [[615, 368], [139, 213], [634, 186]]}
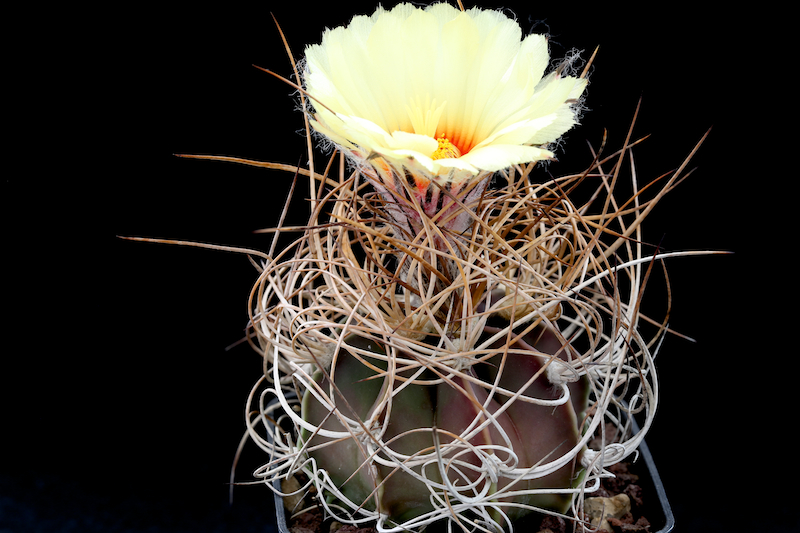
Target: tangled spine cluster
{"points": [[352, 286]]}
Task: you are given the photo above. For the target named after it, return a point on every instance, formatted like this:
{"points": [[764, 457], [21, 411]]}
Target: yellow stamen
{"points": [[446, 149]]}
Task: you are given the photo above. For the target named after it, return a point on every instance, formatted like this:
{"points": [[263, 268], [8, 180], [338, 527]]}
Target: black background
{"points": [[122, 408]]}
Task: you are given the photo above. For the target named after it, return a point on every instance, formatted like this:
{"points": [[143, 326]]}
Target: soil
{"points": [[626, 481]]}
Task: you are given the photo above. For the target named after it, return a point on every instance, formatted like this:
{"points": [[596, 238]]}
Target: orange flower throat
{"points": [[446, 150]]}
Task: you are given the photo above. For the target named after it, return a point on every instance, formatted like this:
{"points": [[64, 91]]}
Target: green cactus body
{"points": [[374, 486], [536, 433], [345, 460]]}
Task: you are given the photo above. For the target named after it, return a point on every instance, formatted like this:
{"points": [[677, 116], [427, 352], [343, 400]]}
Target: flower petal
{"points": [[501, 156]]}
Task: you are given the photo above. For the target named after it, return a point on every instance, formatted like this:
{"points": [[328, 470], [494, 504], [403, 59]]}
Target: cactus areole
{"points": [[461, 337]]}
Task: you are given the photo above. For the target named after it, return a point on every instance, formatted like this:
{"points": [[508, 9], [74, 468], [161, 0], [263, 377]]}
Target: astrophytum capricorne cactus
{"points": [[445, 348]]}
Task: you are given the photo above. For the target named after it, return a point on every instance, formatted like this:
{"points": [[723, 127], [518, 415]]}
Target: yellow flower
{"points": [[437, 94]]}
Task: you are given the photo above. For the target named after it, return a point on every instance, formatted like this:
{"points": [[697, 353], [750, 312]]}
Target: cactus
{"points": [[474, 398], [450, 335]]}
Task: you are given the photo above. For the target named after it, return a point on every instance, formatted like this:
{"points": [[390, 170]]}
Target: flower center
{"points": [[446, 149]]}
